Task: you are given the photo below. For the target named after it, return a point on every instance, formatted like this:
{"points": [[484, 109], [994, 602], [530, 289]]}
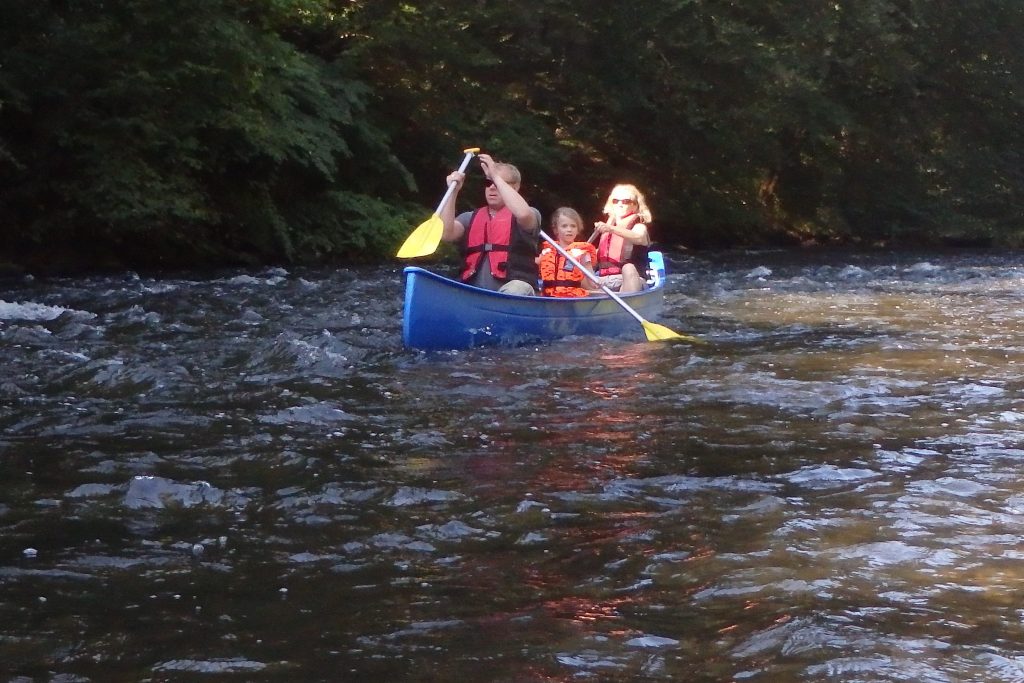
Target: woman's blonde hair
{"points": [[642, 209]]}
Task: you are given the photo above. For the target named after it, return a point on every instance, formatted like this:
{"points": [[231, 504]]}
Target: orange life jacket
{"points": [[611, 247], [559, 277], [488, 235]]}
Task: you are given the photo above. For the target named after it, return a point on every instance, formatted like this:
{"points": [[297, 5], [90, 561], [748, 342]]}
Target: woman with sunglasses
{"points": [[498, 241], [623, 240]]}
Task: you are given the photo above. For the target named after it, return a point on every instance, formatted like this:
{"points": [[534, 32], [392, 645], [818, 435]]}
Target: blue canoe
{"points": [[440, 313]]}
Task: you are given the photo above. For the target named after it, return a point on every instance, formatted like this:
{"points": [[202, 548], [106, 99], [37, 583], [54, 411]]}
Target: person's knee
{"points": [[631, 281], [518, 288]]}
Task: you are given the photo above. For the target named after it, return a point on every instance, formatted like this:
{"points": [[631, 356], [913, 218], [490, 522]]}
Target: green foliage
{"points": [[185, 126], [352, 227], [160, 133]]}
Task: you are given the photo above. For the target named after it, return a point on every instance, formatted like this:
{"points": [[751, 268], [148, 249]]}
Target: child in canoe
{"points": [[559, 277], [623, 240]]}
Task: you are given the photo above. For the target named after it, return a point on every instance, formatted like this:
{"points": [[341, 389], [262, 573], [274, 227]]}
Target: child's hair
{"points": [[571, 214], [642, 209]]}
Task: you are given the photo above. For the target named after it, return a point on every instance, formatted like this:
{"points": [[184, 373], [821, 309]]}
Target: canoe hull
{"points": [[440, 313]]}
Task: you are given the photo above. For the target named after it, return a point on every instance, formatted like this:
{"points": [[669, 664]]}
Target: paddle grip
{"points": [[462, 169], [470, 153]]}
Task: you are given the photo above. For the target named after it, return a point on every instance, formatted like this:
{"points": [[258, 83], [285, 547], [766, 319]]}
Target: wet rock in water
{"points": [[158, 492], [396, 541], [450, 531], [652, 641], [319, 415], [830, 476], [92, 490], [69, 678], [944, 487], [210, 666], [527, 506], [852, 272], [533, 538], [924, 268], [251, 316], [417, 496], [306, 558], [28, 311], [425, 439], [11, 389]]}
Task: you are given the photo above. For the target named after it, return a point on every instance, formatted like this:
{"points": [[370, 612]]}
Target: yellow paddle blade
{"points": [[656, 332], [424, 239]]}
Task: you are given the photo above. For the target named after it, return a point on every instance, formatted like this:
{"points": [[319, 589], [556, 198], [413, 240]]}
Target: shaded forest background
{"points": [[168, 133]]}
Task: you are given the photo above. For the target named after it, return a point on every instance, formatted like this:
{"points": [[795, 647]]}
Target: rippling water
{"points": [[247, 477]]}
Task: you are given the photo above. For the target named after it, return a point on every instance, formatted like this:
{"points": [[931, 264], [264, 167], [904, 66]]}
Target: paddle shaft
{"points": [[470, 153], [561, 250]]}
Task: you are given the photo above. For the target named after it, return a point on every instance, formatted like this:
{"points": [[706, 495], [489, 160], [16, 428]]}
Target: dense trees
{"points": [[186, 131], [211, 131]]}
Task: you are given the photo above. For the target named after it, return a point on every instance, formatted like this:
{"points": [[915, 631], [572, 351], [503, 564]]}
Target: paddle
{"points": [[654, 331], [424, 239]]}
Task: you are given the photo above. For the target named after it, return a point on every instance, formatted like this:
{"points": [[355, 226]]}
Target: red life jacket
{"points": [[559, 277], [490, 235], [611, 247]]}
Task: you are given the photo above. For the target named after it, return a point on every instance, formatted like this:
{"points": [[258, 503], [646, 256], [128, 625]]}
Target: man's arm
{"points": [[526, 218], [453, 230]]}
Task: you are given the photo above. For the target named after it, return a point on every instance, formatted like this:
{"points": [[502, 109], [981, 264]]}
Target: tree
{"points": [[162, 133]]}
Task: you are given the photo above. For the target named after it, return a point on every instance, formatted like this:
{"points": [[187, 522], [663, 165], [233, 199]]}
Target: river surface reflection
{"points": [[246, 477]]}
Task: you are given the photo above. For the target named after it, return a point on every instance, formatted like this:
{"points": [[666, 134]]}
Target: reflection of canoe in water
{"points": [[445, 314]]}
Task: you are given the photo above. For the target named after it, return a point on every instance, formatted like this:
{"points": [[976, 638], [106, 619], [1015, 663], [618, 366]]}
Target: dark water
{"points": [[248, 478]]}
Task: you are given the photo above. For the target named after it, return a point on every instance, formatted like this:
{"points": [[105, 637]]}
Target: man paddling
{"points": [[498, 241]]}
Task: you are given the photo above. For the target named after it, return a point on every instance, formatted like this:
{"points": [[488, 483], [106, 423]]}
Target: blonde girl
{"points": [[623, 240]]}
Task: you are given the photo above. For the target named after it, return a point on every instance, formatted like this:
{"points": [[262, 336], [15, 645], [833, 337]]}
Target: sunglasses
{"points": [[488, 182], [622, 201]]}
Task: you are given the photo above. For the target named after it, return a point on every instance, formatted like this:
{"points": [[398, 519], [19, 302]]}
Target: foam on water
{"points": [[29, 311]]}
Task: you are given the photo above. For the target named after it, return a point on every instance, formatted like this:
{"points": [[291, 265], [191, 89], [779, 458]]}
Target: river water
{"points": [[245, 476]]}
